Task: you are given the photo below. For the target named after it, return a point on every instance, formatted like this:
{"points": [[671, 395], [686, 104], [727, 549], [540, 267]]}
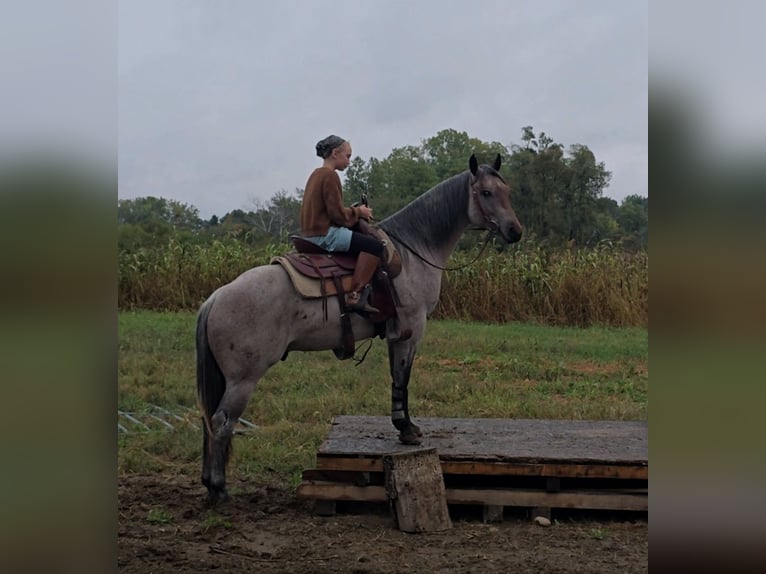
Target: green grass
{"points": [[159, 515], [598, 533], [214, 521], [461, 370]]}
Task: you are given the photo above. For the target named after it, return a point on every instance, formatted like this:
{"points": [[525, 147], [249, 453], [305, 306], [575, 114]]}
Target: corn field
{"points": [[576, 287]]}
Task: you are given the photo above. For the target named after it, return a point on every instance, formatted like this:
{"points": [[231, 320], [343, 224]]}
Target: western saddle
{"points": [[319, 274]]}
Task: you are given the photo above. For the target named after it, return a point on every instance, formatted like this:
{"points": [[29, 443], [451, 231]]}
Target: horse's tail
{"points": [[210, 380]]}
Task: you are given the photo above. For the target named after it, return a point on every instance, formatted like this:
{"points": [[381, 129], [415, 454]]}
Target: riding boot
{"points": [[356, 299]]}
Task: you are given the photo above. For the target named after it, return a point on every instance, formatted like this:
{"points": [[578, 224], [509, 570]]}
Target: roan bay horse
{"points": [[248, 325]]}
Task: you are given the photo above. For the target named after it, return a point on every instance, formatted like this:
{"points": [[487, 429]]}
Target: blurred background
{"points": [[707, 130]]}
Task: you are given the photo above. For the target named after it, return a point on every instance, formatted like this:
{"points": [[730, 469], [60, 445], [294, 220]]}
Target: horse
{"points": [[249, 324]]}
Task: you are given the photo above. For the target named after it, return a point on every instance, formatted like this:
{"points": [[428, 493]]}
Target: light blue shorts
{"points": [[337, 239]]}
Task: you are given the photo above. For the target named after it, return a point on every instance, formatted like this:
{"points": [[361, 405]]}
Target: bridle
{"points": [[487, 219]]}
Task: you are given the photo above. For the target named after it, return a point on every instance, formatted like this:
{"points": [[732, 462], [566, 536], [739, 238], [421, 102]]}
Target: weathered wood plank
{"points": [[562, 470], [585, 499], [596, 500], [355, 463], [415, 488], [497, 440], [318, 490], [342, 476]]}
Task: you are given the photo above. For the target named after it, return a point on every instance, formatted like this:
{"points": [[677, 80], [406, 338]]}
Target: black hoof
{"points": [[410, 435], [217, 497]]}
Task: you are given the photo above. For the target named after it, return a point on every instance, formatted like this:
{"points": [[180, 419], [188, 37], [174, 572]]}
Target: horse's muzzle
{"points": [[511, 233]]}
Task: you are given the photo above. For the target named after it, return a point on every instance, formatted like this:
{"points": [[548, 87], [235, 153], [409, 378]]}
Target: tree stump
{"points": [[415, 490]]}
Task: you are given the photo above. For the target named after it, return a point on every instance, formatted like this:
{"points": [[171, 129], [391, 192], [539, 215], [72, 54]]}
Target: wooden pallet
{"points": [[540, 464]]}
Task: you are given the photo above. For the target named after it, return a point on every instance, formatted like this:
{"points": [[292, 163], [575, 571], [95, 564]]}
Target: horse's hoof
{"points": [[416, 429], [217, 497], [410, 435]]}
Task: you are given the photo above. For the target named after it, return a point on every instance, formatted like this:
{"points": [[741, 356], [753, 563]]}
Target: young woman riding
{"points": [[326, 222]]}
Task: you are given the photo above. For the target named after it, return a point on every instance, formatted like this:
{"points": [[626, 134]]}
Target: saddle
{"points": [[319, 274]]}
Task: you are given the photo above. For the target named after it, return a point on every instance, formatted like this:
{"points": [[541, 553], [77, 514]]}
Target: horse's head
{"points": [[490, 205]]}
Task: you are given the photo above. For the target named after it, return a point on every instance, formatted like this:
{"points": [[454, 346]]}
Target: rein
{"points": [[490, 234]]}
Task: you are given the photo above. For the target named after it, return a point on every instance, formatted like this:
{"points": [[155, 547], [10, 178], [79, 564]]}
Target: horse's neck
{"points": [[441, 253], [433, 224]]}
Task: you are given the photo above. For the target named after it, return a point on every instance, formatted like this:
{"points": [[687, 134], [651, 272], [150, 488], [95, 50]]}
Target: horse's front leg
{"points": [[400, 357]]}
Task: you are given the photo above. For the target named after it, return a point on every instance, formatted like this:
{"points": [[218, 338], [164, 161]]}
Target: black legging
{"points": [[362, 242]]}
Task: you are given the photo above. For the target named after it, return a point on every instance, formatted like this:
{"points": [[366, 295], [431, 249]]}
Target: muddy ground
{"points": [[164, 526]]}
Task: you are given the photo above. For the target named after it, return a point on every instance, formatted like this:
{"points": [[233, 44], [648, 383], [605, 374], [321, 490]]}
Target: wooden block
{"points": [[415, 490], [492, 513]]}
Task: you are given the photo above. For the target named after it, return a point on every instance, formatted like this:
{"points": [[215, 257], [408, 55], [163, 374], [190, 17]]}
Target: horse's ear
{"points": [[473, 164], [498, 161]]}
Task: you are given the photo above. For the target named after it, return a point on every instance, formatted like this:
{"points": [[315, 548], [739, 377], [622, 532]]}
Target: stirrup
{"points": [[360, 299]]}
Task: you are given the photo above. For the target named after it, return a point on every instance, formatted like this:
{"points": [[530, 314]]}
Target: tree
{"points": [[357, 174], [634, 221], [557, 194], [448, 152], [588, 179], [538, 173], [158, 210], [279, 217], [398, 180], [147, 221]]}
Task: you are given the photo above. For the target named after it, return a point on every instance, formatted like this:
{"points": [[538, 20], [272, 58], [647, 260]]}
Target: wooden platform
{"points": [[540, 464]]}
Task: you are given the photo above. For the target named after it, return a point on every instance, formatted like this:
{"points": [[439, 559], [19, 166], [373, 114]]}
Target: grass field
{"points": [[461, 370]]}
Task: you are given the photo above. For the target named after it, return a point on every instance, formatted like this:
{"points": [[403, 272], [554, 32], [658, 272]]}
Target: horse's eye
{"points": [[486, 192]]}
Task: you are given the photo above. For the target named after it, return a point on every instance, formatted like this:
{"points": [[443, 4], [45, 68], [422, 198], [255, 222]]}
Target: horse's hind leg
{"points": [[205, 455], [222, 423]]}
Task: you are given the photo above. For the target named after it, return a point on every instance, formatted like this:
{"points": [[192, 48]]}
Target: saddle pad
{"points": [[306, 286]]}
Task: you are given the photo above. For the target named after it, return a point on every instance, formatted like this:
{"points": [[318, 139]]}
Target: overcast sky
{"points": [[221, 103]]}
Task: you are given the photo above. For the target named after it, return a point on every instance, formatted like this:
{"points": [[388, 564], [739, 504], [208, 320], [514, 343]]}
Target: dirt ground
{"points": [[165, 526]]}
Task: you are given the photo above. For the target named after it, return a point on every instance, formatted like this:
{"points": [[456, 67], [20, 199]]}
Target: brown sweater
{"points": [[323, 204]]}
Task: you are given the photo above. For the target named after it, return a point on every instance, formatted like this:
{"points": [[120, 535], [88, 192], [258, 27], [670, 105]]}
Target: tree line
{"points": [[557, 194]]}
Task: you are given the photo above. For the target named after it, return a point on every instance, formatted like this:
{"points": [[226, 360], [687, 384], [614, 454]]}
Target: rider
{"points": [[327, 223]]}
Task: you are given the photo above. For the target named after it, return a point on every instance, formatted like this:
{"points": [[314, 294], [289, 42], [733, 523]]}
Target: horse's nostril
{"points": [[513, 235]]}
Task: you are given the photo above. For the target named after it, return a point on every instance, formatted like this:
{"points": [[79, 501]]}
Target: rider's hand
{"points": [[366, 212]]}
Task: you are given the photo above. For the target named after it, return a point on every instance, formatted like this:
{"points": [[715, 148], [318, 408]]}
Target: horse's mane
{"points": [[431, 219]]}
